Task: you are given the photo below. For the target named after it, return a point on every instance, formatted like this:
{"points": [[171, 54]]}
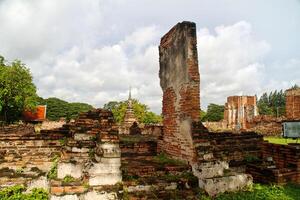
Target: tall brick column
{"points": [[293, 104], [180, 82]]}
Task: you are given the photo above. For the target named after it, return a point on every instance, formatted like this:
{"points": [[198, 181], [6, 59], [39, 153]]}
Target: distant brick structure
{"points": [[293, 103], [239, 110], [180, 82]]}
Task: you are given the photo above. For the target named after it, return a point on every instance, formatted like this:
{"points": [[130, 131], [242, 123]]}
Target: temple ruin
{"points": [[239, 111], [293, 103], [184, 137], [89, 158]]}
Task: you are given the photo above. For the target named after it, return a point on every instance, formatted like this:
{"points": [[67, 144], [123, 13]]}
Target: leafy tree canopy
{"points": [[141, 111], [214, 113], [17, 90], [202, 115], [272, 103], [57, 108]]}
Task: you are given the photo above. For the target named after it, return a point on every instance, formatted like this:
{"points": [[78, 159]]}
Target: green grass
{"points": [[280, 140], [265, 192], [164, 159], [261, 192]]}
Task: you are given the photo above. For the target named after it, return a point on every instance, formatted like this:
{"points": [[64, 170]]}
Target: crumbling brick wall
{"points": [[226, 146], [21, 147], [179, 80], [285, 164], [293, 103], [266, 125], [87, 149]]}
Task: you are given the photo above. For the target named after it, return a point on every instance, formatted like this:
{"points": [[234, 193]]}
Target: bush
{"points": [[52, 174], [17, 193], [68, 179]]}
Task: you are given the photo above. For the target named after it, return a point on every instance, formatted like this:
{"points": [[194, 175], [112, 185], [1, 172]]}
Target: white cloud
{"points": [[98, 75], [59, 41], [230, 62], [283, 75], [93, 50]]}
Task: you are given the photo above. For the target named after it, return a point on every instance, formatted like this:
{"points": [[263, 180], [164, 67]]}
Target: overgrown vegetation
{"points": [[18, 193], [57, 108], [52, 174], [177, 177], [163, 159], [92, 154], [141, 111], [19, 171], [68, 179], [251, 158], [263, 192], [63, 141], [17, 90]]}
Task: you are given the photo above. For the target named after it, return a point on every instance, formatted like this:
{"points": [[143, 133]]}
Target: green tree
{"points": [[214, 113], [119, 110], [110, 105], [57, 108], [141, 111], [272, 104], [17, 90], [202, 115], [152, 118], [295, 87]]}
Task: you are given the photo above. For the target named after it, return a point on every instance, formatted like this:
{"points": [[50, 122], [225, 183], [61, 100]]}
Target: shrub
{"points": [[17, 193], [68, 179], [52, 174]]}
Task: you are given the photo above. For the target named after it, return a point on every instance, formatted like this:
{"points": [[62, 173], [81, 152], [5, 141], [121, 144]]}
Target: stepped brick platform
{"points": [[148, 175], [221, 158], [283, 165]]}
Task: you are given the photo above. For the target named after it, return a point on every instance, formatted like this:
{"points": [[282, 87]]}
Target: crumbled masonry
{"points": [[89, 159]]}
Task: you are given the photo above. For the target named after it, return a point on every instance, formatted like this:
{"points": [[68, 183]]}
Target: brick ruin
{"points": [[179, 80], [280, 164], [87, 150], [184, 137], [239, 110], [293, 103], [219, 159], [266, 125], [104, 164]]}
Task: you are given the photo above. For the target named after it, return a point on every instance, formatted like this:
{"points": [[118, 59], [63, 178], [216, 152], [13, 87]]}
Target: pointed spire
{"points": [[129, 98]]}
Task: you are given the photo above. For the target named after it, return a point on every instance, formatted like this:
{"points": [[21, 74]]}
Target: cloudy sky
{"points": [[93, 50]]}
